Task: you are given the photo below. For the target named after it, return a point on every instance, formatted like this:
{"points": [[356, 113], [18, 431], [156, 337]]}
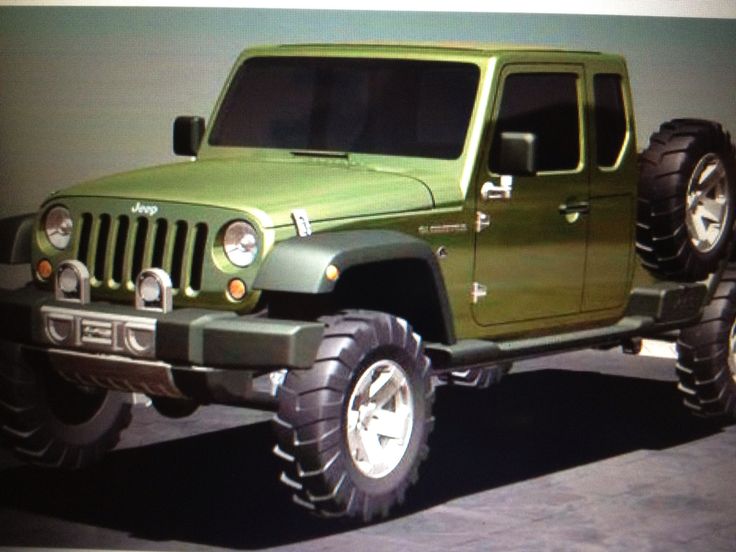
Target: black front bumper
{"points": [[207, 355]]}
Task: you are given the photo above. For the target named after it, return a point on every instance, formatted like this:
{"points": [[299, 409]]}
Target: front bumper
{"points": [[207, 355]]}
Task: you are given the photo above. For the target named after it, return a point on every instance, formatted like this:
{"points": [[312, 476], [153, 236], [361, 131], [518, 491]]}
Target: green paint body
{"points": [[543, 273]]}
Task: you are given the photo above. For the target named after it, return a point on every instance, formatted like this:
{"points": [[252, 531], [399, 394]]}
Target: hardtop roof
{"points": [[483, 48]]}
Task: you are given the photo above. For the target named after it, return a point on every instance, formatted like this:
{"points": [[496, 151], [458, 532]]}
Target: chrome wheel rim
{"points": [[380, 417], [708, 202], [732, 351]]}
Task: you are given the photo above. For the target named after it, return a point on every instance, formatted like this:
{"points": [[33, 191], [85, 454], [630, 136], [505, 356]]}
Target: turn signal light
{"points": [[44, 269], [236, 289], [332, 273]]}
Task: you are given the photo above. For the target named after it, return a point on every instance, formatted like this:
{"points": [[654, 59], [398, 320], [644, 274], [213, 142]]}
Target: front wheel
{"points": [[50, 422], [353, 429]]}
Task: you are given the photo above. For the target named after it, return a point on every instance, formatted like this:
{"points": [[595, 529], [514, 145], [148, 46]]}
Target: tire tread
{"points": [[662, 240], [706, 382], [308, 427], [28, 427]]}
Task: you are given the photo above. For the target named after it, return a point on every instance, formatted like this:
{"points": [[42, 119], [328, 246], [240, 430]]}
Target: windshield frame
{"points": [[476, 59]]}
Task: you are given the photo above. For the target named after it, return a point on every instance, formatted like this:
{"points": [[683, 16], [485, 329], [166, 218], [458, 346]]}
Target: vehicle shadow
{"points": [[221, 489]]}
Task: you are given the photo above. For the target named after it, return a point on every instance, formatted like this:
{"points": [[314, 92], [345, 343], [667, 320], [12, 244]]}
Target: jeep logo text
{"points": [[148, 210]]}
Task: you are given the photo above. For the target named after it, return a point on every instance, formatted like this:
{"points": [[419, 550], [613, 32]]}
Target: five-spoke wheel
{"points": [[353, 429], [380, 418], [685, 216], [708, 203]]}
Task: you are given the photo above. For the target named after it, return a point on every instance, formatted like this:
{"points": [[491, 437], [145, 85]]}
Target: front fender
{"points": [[298, 265], [15, 239]]}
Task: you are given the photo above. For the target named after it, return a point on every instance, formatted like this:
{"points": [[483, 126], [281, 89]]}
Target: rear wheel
{"points": [[707, 356], [50, 422], [353, 429]]}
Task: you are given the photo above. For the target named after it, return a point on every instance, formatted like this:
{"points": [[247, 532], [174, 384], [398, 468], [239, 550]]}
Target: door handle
{"points": [[575, 207], [502, 190]]}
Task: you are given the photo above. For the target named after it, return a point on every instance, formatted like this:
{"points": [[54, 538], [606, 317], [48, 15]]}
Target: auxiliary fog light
{"points": [[153, 290], [72, 282], [236, 289], [68, 281]]}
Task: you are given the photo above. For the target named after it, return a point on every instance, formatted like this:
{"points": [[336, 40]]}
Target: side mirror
{"points": [[517, 154], [188, 134]]}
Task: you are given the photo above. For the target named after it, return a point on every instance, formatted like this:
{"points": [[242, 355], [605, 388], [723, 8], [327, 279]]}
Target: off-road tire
{"points": [[677, 155], [50, 422], [312, 420], [706, 356]]}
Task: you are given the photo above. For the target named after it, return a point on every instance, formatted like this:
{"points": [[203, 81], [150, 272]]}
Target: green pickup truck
{"points": [[358, 225]]}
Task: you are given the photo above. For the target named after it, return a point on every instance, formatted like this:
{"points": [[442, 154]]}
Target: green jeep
{"points": [[358, 225]]}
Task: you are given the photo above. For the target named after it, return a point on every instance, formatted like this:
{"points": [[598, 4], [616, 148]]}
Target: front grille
{"points": [[117, 248]]}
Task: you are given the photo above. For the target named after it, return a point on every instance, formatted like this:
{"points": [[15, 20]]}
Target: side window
{"points": [[610, 118], [545, 104]]}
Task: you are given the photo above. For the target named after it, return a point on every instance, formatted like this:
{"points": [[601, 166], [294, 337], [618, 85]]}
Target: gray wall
{"points": [[89, 91]]}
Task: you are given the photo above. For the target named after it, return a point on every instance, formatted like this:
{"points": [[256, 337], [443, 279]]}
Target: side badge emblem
{"points": [[301, 222]]}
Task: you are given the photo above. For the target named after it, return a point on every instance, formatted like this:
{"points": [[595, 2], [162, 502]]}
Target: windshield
{"points": [[380, 106]]}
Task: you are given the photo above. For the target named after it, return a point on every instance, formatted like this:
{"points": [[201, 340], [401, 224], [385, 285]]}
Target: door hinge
{"points": [[482, 221], [478, 292]]}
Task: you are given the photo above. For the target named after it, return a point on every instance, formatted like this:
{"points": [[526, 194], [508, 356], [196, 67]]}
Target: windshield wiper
{"points": [[318, 153]]}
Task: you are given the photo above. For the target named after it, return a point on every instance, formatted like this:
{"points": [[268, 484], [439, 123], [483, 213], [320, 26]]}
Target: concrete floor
{"points": [[585, 451]]}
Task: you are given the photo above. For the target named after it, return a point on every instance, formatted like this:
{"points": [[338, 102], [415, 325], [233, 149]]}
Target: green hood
{"points": [[327, 190]]}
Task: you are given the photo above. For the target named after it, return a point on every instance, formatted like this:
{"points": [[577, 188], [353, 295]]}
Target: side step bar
{"points": [[650, 311]]}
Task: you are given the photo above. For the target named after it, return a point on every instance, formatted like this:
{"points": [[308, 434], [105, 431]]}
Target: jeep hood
{"points": [[327, 190]]}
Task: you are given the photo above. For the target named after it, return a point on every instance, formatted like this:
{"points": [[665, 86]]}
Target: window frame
{"points": [[625, 100], [545, 68]]}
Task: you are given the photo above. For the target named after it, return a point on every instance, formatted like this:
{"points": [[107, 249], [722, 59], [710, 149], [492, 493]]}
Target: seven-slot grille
{"points": [[116, 248]]}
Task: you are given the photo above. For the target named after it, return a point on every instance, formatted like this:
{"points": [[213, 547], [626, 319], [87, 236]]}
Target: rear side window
{"points": [[545, 104], [610, 118]]}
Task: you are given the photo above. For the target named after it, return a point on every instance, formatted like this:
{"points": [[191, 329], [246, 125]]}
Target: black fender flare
{"points": [[299, 264], [15, 239]]}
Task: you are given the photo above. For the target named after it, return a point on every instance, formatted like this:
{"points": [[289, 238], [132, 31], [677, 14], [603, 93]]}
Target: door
{"points": [[530, 259], [613, 187]]}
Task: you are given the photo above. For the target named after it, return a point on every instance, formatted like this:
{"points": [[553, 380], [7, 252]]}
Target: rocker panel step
{"points": [[651, 310]]}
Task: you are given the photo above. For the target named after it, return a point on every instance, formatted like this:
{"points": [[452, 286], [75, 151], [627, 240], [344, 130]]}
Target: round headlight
{"points": [[240, 243], [58, 226]]}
